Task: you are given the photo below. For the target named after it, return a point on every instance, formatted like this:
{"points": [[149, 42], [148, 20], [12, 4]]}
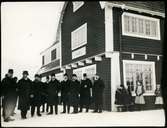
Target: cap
{"points": [[10, 71], [25, 72], [74, 75], [52, 74], [84, 74], [37, 75]]}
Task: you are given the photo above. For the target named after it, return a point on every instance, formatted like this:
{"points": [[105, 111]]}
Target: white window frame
{"points": [[140, 62], [83, 69], [77, 5], [138, 34], [73, 36], [79, 52]]}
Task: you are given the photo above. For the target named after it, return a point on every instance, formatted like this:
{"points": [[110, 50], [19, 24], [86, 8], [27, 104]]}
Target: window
{"points": [[53, 55], [79, 37], [89, 70], [43, 60], [77, 5], [140, 26], [139, 70]]}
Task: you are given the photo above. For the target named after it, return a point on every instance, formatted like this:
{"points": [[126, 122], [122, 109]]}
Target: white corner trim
{"points": [[68, 67], [102, 4], [115, 77], [109, 43]]}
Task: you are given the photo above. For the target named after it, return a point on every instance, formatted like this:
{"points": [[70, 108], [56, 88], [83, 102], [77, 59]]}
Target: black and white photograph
{"points": [[82, 63]]}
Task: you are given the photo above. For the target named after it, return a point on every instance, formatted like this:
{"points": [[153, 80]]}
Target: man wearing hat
{"points": [[98, 89], [85, 94], [65, 88], [8, 92], [52, 90], [24, 86], [74, 93], [36, 95]]}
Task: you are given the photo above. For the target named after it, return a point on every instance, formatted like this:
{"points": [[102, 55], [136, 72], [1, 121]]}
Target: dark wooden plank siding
{"points": [[91, 13], [135, 44]]}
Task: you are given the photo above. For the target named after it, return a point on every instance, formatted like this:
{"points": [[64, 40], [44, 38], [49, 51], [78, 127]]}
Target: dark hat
{"points": [[52, 74], [65, 74], [74, 75], [40, 76], [84, 74], [10, 71], [25, 72], [37, 75]]}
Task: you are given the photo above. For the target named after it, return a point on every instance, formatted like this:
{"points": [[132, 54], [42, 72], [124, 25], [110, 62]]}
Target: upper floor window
{"points": [[77, 5], [79, 37], [139, 71], [140, 26], [53, 54], [43, 60]]}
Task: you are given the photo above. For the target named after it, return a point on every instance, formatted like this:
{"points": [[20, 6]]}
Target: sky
{"points": [[27, 28]]}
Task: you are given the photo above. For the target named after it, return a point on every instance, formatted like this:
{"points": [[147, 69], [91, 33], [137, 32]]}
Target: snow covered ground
{"points": [[142, 118]]}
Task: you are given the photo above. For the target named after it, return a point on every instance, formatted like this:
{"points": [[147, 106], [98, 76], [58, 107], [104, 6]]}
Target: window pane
{"points": [[53, 54], [147, 23]]}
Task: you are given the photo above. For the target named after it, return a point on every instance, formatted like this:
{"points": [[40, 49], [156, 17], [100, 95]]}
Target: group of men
{"points": [[34, 94]]}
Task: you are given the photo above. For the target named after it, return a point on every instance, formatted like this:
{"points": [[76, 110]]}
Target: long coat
{"points": [[36, 91], [10, 96], [52, 90], [98, 89], [44, 92], [85, 96], [122, 97], [65, 89], [74, 93], [24, 88]]}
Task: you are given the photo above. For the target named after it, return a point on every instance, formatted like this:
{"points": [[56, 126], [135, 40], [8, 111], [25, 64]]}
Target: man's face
{"points": [[10, 75], [84, 77], [74, 77], [53, 78], [36, 78], [65, 78], [25, 75]]}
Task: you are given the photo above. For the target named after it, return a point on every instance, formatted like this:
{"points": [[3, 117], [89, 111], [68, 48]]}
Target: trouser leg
{"points": [[47, 107], [64, 107], [100, 107], [43, 107], [38, 110], [96, 107], [51, 109], [81, 107], [56, 109], [87, 107], [23, 114], [68, 108], [32, 110]]}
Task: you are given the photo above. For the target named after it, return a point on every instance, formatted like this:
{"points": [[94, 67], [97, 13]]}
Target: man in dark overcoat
{"points": [[24, 88], [36, 95], [98, 89], [65, 88], [8, 94], [74, 93], [85, 93], [44, 94], [53, 89]]}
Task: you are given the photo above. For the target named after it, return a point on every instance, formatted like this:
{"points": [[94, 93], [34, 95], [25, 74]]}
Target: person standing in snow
{"points": [[65, 88], [24, 88], [8, 94], [44, 95], [35, 95], [74, 94], [85, 93], [139, 99], [52, 90], [158, 98], [98, 89]]}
